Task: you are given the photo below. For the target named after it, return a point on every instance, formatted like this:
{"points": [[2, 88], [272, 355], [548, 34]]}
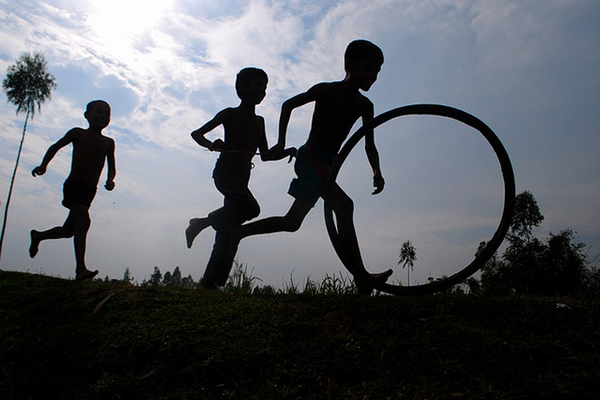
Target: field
{"points": [[95, 340]]}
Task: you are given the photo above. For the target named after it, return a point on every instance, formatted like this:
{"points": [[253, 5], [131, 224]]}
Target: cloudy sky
{"points": [[529, 69]]}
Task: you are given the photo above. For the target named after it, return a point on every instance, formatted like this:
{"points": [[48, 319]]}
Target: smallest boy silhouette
{"points": [[244, 134], [90, 150]]}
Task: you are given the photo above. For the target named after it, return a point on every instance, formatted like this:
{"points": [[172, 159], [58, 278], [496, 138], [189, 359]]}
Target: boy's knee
{"points": [[252, 212], [291, 224], [83, 220], [68, 232], [345, 205]]}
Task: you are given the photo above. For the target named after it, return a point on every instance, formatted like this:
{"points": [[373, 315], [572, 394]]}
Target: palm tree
{"points": [[408, 256], [27, 84]]}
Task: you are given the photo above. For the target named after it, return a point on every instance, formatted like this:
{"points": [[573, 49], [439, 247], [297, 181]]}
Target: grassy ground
{"points": [[65, 340]]}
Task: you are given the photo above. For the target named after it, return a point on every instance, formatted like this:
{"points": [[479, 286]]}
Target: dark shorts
{"points": [[77, 193], [312, 167], [231, 176]]}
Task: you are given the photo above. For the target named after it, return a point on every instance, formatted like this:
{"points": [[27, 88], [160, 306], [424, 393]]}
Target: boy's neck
{"points": [[94, 130], [247, 107], [350, 84]]}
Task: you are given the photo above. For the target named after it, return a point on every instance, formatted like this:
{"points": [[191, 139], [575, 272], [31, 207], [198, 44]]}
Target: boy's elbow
{"points": [[287, 106], [267, 156]]}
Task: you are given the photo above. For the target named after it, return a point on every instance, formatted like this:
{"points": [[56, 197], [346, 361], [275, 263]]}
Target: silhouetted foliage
{"points": [[170, 279], [155, 278], [407, 257], [176, 277], [27, 84], [557, 266], [127, 278], [527, 216]]}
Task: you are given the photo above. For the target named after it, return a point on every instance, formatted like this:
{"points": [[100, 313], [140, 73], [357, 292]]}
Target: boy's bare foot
{"points": [[364, 289], [85, 275], [196, 226], [35, 243]]}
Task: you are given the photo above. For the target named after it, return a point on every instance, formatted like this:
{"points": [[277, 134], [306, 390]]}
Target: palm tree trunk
{"points": [[12, 183]]}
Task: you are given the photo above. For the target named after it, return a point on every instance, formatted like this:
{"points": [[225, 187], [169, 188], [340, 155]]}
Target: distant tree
{"points": [[565, 264], [27, 84], [167, 279], [592, 276], [188, 282], [408, 256], [473, 285], [558, 265], [127, 276], [176, 277], [155, 278], [526, 217]]}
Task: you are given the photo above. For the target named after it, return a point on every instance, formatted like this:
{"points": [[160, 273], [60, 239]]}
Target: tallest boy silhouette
{"points": [[338, 105]]}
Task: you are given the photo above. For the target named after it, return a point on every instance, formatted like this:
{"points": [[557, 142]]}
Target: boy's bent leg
{"points": [[220, 262], [58, 232], [34, 247], [291, 222], [82, 224], [348, 248], [194, 228]]}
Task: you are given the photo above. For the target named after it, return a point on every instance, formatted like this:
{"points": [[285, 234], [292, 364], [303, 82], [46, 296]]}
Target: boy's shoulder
{"points": [[226, 113], [233, 113], [73, 133], [76, 131], [336, 91], [324, 86], [336, 87]]}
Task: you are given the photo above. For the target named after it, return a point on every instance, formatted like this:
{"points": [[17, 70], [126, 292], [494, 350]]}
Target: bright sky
{"points": [[529, 69]]}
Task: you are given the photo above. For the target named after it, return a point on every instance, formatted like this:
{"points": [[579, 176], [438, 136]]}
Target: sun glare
{"points": [[115, 21]]}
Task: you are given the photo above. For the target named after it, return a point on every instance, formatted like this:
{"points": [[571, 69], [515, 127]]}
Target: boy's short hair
{"points": [[361, 48], [92, 104], [246, 75]]}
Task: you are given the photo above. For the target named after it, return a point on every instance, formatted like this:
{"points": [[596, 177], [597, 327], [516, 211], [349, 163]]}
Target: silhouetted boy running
{"points": [[90, 151], [244, 134], [338, 105]]}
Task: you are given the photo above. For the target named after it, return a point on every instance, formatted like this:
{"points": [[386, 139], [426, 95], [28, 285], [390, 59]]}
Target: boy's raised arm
{"points": [[198, 134], [51, 152], [286, 111]]}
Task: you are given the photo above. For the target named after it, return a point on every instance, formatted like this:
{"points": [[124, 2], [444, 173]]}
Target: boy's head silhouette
{"points": [[246, 77], [94, 103], [359, 49], [97, 113], [362, 62]]}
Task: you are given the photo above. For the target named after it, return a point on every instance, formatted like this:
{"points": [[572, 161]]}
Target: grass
{"points": [[60, 339]]}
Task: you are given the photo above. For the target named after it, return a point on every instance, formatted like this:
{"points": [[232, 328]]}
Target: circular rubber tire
{"points": [[492, 245]]}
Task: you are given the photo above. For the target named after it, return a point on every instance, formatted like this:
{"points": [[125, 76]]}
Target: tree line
{"points": [[557, 265]]}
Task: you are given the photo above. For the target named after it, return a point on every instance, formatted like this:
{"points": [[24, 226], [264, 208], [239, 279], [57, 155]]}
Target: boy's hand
{"points": [[110, 185], [292, 153], [379, 183], [39, 170], [217, 145]]}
